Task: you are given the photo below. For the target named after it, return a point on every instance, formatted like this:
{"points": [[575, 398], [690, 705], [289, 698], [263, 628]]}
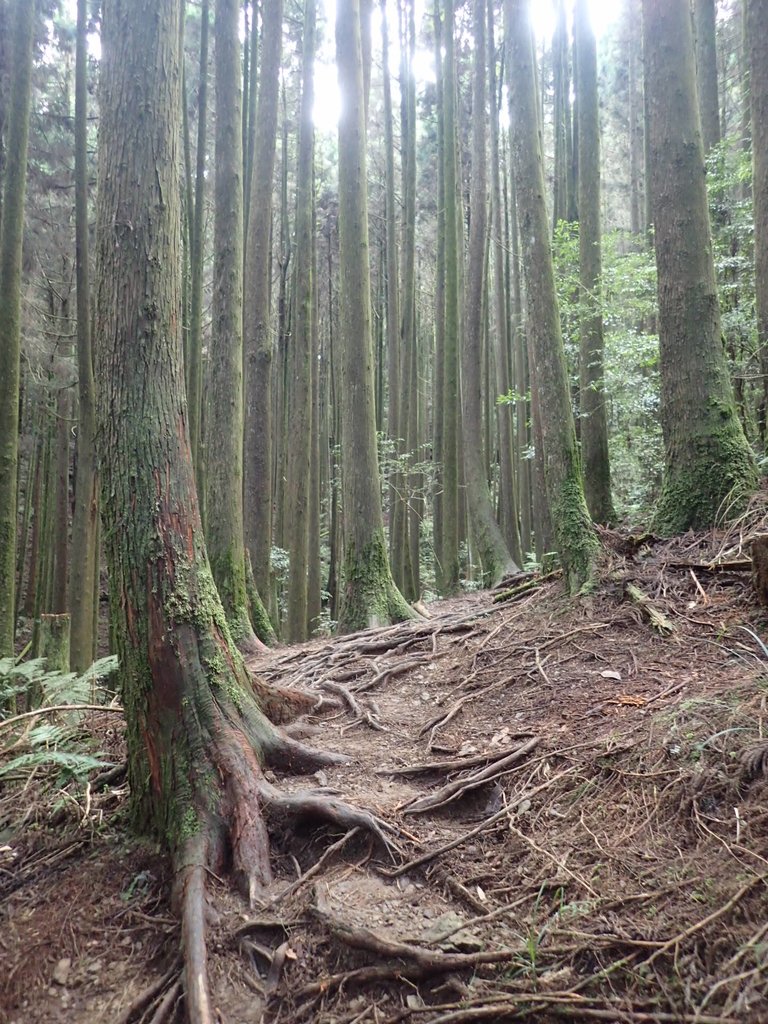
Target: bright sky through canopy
{"points": [[604, 14]]}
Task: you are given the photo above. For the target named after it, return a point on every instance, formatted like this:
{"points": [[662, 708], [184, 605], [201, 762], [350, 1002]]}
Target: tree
{"points": [[706, 71], [258, 333], [574, 535], [194, 729], [299, 440], [449, 506], [224, 472], [594, 428], [370, 595], [757, 37], [489, 542], [85, 556], [707, 460], [11, 235]]}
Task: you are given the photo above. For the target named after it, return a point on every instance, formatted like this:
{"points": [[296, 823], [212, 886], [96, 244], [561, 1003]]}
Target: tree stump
{"points": [[760, 567]]}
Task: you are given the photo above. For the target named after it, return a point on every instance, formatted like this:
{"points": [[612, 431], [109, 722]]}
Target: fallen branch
{"points": [[656, 618], [455, 789], [458, 764]]}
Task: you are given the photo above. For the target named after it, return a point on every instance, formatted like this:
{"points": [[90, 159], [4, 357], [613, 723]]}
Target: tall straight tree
{"points": [[11, 234], [489, 542], [594, 425], [197, 246], [370, 596], [757, 37], [704, 20], [224, 474], [299, 439], [449, 505], [574, 534], [194, 729], [258, 335], [707, 460], [84, 561]]}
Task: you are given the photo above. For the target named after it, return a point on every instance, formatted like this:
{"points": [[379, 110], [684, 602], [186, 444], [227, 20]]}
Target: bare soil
{"points": [[610, 864]]}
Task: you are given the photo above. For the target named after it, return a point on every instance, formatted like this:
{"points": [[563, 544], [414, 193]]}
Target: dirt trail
{"points": [[577, 814]]}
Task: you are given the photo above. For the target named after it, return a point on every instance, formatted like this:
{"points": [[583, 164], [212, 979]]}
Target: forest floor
{"points": [[579, 810]]}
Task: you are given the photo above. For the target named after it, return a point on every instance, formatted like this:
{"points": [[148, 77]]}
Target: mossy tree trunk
{"points": [[574, 534], [370, 596], [11, 233], [757, 36], [299, 436], [258, 335], [224, 473], [594, 420], [707, 462], [85, 560], [489, 543]]}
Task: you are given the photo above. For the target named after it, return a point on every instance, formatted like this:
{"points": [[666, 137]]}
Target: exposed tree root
{"points": [[453, 790]]}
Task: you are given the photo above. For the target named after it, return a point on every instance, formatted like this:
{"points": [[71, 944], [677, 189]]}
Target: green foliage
{"points": [[631, 360], [54, 751]]}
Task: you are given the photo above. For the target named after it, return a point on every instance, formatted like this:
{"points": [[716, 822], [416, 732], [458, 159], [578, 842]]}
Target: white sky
{"points": [[604, 14]]}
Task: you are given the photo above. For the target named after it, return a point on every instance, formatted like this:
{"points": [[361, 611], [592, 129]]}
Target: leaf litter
{"points": [[576, 814]]}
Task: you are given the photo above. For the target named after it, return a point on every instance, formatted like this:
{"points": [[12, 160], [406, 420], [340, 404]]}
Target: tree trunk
{"points": [[11, 233], [489, 543], [449, 555], [298, 439], [706, 71], [197, 249], [594, 425], [193, 727], [258, 336], [84, 562], [707, 459], [574, 534], [224, 474], [757, 36], [370, 595]]}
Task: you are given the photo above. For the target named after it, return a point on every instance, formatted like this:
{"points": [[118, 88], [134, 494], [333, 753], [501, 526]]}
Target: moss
{"points": [[710, 475], [370, 597], [577, 542]]}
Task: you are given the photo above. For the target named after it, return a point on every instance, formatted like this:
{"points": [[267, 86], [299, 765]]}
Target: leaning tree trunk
{"points": [[707, 461], [194, 729], [11, 232], [370, 595], [574, 535], [490, 546], [594, 420]]}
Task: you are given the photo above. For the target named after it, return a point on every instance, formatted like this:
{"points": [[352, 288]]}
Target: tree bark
{"points": [[224, 474], [258, 338], [11, 234], [574, 534], [594, 425], [370, 595], [85, 560], [490, 546], [706, 71], [298, 439], [707, 460], [757, 37]]}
